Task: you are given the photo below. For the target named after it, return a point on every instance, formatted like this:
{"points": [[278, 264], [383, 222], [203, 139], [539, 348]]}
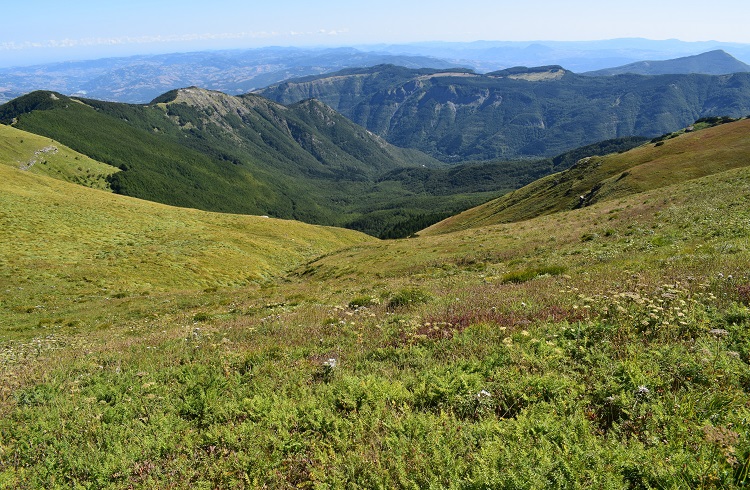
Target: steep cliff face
{"points": [[519, 112]]}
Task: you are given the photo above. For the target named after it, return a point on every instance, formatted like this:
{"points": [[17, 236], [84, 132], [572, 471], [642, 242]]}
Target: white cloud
{"points": [[123, 40]]}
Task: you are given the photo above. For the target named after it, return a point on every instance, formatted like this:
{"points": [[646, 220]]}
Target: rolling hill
{"points": [[676, 158], [456, 115], [717, 62]]}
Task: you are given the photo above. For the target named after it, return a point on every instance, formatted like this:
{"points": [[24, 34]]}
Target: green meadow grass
{"points": [[67, 248], [601, 347], [44, 156], [651, 166]]}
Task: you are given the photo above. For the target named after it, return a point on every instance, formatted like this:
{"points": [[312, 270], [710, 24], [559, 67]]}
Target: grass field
{"points": [[66, 249], [152, 347]]}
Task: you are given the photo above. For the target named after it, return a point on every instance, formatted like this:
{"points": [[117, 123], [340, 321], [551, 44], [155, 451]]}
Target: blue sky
{"points": [[46, 30]]}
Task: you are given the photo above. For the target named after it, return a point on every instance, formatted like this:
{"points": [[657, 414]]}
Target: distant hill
{"points": [[676, 158], [139, 79], [577, 56], [717, 62], [456, 115]]}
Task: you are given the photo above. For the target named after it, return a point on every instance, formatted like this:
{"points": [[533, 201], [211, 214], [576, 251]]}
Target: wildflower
{"points": [[642, 391], [330, 363], [483, 393]]}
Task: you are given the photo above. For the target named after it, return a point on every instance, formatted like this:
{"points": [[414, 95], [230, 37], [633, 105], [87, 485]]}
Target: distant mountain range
{"points": [[457, 115], [716, 62], [139, 79]]}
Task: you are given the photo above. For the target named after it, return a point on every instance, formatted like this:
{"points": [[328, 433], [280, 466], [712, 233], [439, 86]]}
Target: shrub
{"points": [[363, 302], [201, 317], [532, 273], [406, 297]]}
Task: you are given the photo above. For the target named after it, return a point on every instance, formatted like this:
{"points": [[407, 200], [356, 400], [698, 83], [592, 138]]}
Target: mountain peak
{"points": [[39, 100]]}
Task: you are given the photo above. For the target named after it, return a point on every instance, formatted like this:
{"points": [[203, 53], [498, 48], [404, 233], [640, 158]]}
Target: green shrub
{"points": [[363, 302], [532, 273], [407, 297]]}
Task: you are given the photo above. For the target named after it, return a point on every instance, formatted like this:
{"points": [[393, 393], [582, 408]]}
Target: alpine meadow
{"points": [[377, 276]]}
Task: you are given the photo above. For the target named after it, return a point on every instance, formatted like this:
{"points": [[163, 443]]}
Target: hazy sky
{"points": [[43, 30]]}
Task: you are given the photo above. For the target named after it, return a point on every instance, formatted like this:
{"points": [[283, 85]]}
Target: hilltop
{"points": [[717, 62], [457, 115]]}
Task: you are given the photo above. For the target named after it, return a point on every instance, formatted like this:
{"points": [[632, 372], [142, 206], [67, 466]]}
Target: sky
{"points": [[50, 30]]}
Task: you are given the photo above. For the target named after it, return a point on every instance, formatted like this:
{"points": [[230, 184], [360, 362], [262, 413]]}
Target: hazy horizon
{"points": [[43, 32]]}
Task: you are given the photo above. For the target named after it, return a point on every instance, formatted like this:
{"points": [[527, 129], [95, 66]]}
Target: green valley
{"points": [[207, 150]]}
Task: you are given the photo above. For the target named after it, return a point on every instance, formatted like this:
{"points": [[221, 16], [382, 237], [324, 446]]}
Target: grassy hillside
{"points": [[39, 155], [668, 161], [67, 249], [605, 347]]}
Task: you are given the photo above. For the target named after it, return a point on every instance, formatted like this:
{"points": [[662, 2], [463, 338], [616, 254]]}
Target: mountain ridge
{"points": [[139, 78], [456, 115], [247, 154], [717, 62]]}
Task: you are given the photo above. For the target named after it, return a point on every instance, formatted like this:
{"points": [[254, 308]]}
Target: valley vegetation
{"points": [[207, 150]]}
